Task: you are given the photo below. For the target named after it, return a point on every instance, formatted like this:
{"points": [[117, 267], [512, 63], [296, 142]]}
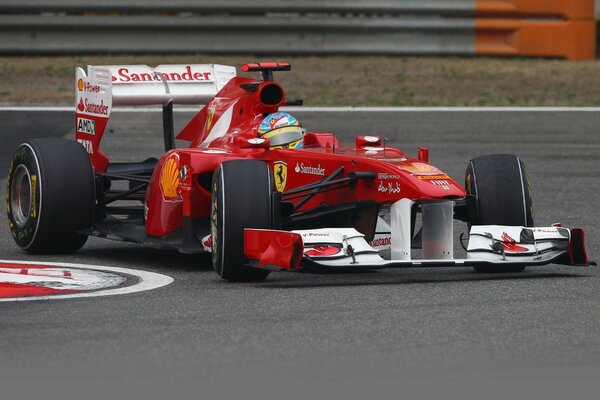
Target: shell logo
{"points": [[421, 169], [169, 179]]}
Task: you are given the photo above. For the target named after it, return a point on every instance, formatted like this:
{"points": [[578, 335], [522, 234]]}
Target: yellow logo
{"points": [[416, 168], [210, 116], [169, 179], [280, 172]]}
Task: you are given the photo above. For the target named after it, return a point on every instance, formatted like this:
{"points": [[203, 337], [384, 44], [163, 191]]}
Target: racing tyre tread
{"points": [[241, 198], [50, 196]]}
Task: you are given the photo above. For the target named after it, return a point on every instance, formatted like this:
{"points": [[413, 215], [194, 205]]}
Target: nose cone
{"points": [[430, 182], [439, 187]]}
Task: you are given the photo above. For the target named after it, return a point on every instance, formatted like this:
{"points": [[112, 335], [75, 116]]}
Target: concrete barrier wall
{"points": [[547, 28]]}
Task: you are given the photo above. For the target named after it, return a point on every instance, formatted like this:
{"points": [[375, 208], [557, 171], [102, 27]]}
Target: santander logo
{"points": [[187, 74], [90, 107], [301, 168]]}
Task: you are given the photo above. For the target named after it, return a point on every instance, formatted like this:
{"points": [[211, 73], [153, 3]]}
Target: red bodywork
{"points": [[180, 185]]}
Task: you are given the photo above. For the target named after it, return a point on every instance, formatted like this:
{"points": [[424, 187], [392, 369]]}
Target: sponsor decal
{"points": [[210, 115], [421, 169], [185, 75], [221, 127], [433, 177], [33, 213], [313, 234], [322, 251], [544, 230], [87, 145], [444, 184], [90, 107], [371, 139], [301, 168], [84, 86], [385, 241], [85, 125], [468, 185], [280, 173], [385, 176], [510, 244], [389, 188], [183, 174], [169, 179], [10, 169]]}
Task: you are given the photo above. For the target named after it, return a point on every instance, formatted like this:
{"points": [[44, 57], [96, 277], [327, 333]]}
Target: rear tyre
{"points": [[50, 196], [499, 194], [241, 198]]}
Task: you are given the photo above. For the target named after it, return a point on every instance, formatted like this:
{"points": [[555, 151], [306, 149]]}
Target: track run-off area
{"points": [[389, 325]]}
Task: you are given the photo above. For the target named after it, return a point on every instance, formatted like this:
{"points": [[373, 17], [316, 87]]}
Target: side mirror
{"points": [[362, 141], [251, 143]]}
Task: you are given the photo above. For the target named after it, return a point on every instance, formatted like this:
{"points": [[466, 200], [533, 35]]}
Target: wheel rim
{"points": [[20, 196]]}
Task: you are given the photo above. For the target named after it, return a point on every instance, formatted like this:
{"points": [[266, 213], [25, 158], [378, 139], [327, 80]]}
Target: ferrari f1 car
{"points": [[258, 207]]}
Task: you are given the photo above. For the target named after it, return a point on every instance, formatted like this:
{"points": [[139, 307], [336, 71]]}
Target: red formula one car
{"points": [[262, 194]]}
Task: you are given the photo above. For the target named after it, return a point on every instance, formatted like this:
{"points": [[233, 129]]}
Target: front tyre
{"points": [[498, 194], [50, 196], [241, 198]]}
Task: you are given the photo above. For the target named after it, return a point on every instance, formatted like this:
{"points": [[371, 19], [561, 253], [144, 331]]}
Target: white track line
{"points": [[323, 109], [148, 281]]}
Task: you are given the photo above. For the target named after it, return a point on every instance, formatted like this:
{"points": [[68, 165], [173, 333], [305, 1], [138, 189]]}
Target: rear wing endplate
{"points": [[101, 87]]}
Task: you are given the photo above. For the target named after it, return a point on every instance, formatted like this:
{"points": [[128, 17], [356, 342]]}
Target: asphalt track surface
{"points": [[430, 324]]}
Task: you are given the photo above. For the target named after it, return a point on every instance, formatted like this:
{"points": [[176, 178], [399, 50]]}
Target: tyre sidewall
{"points": [[25, 157], [217, 221], [64, 199], [234, 208]]}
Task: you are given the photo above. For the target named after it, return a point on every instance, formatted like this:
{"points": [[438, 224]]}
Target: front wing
{"points": [[346, 249]]}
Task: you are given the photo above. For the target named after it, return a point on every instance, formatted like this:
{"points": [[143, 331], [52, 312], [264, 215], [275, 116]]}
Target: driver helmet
{"points": [[283, 131]]}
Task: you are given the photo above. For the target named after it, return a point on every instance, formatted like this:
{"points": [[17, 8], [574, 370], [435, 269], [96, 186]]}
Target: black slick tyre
{"points": [[498, 192], [50, 196], [241, 198]]}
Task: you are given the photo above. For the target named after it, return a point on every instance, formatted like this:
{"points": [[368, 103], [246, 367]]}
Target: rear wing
{"points": [[102, 87]]}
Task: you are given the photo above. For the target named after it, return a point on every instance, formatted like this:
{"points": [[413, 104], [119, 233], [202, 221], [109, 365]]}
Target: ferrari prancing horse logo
{"points": [[280, 172], [210, 115]]}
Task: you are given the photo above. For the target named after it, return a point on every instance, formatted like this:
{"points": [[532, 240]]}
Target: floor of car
{"points": [[134, 230], [145, 167]]}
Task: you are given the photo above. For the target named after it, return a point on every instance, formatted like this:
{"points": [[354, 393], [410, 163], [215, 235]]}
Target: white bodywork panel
{"points": [[438, 231], [515, 242], [400, 217], [543, 246], [137, 85]]}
